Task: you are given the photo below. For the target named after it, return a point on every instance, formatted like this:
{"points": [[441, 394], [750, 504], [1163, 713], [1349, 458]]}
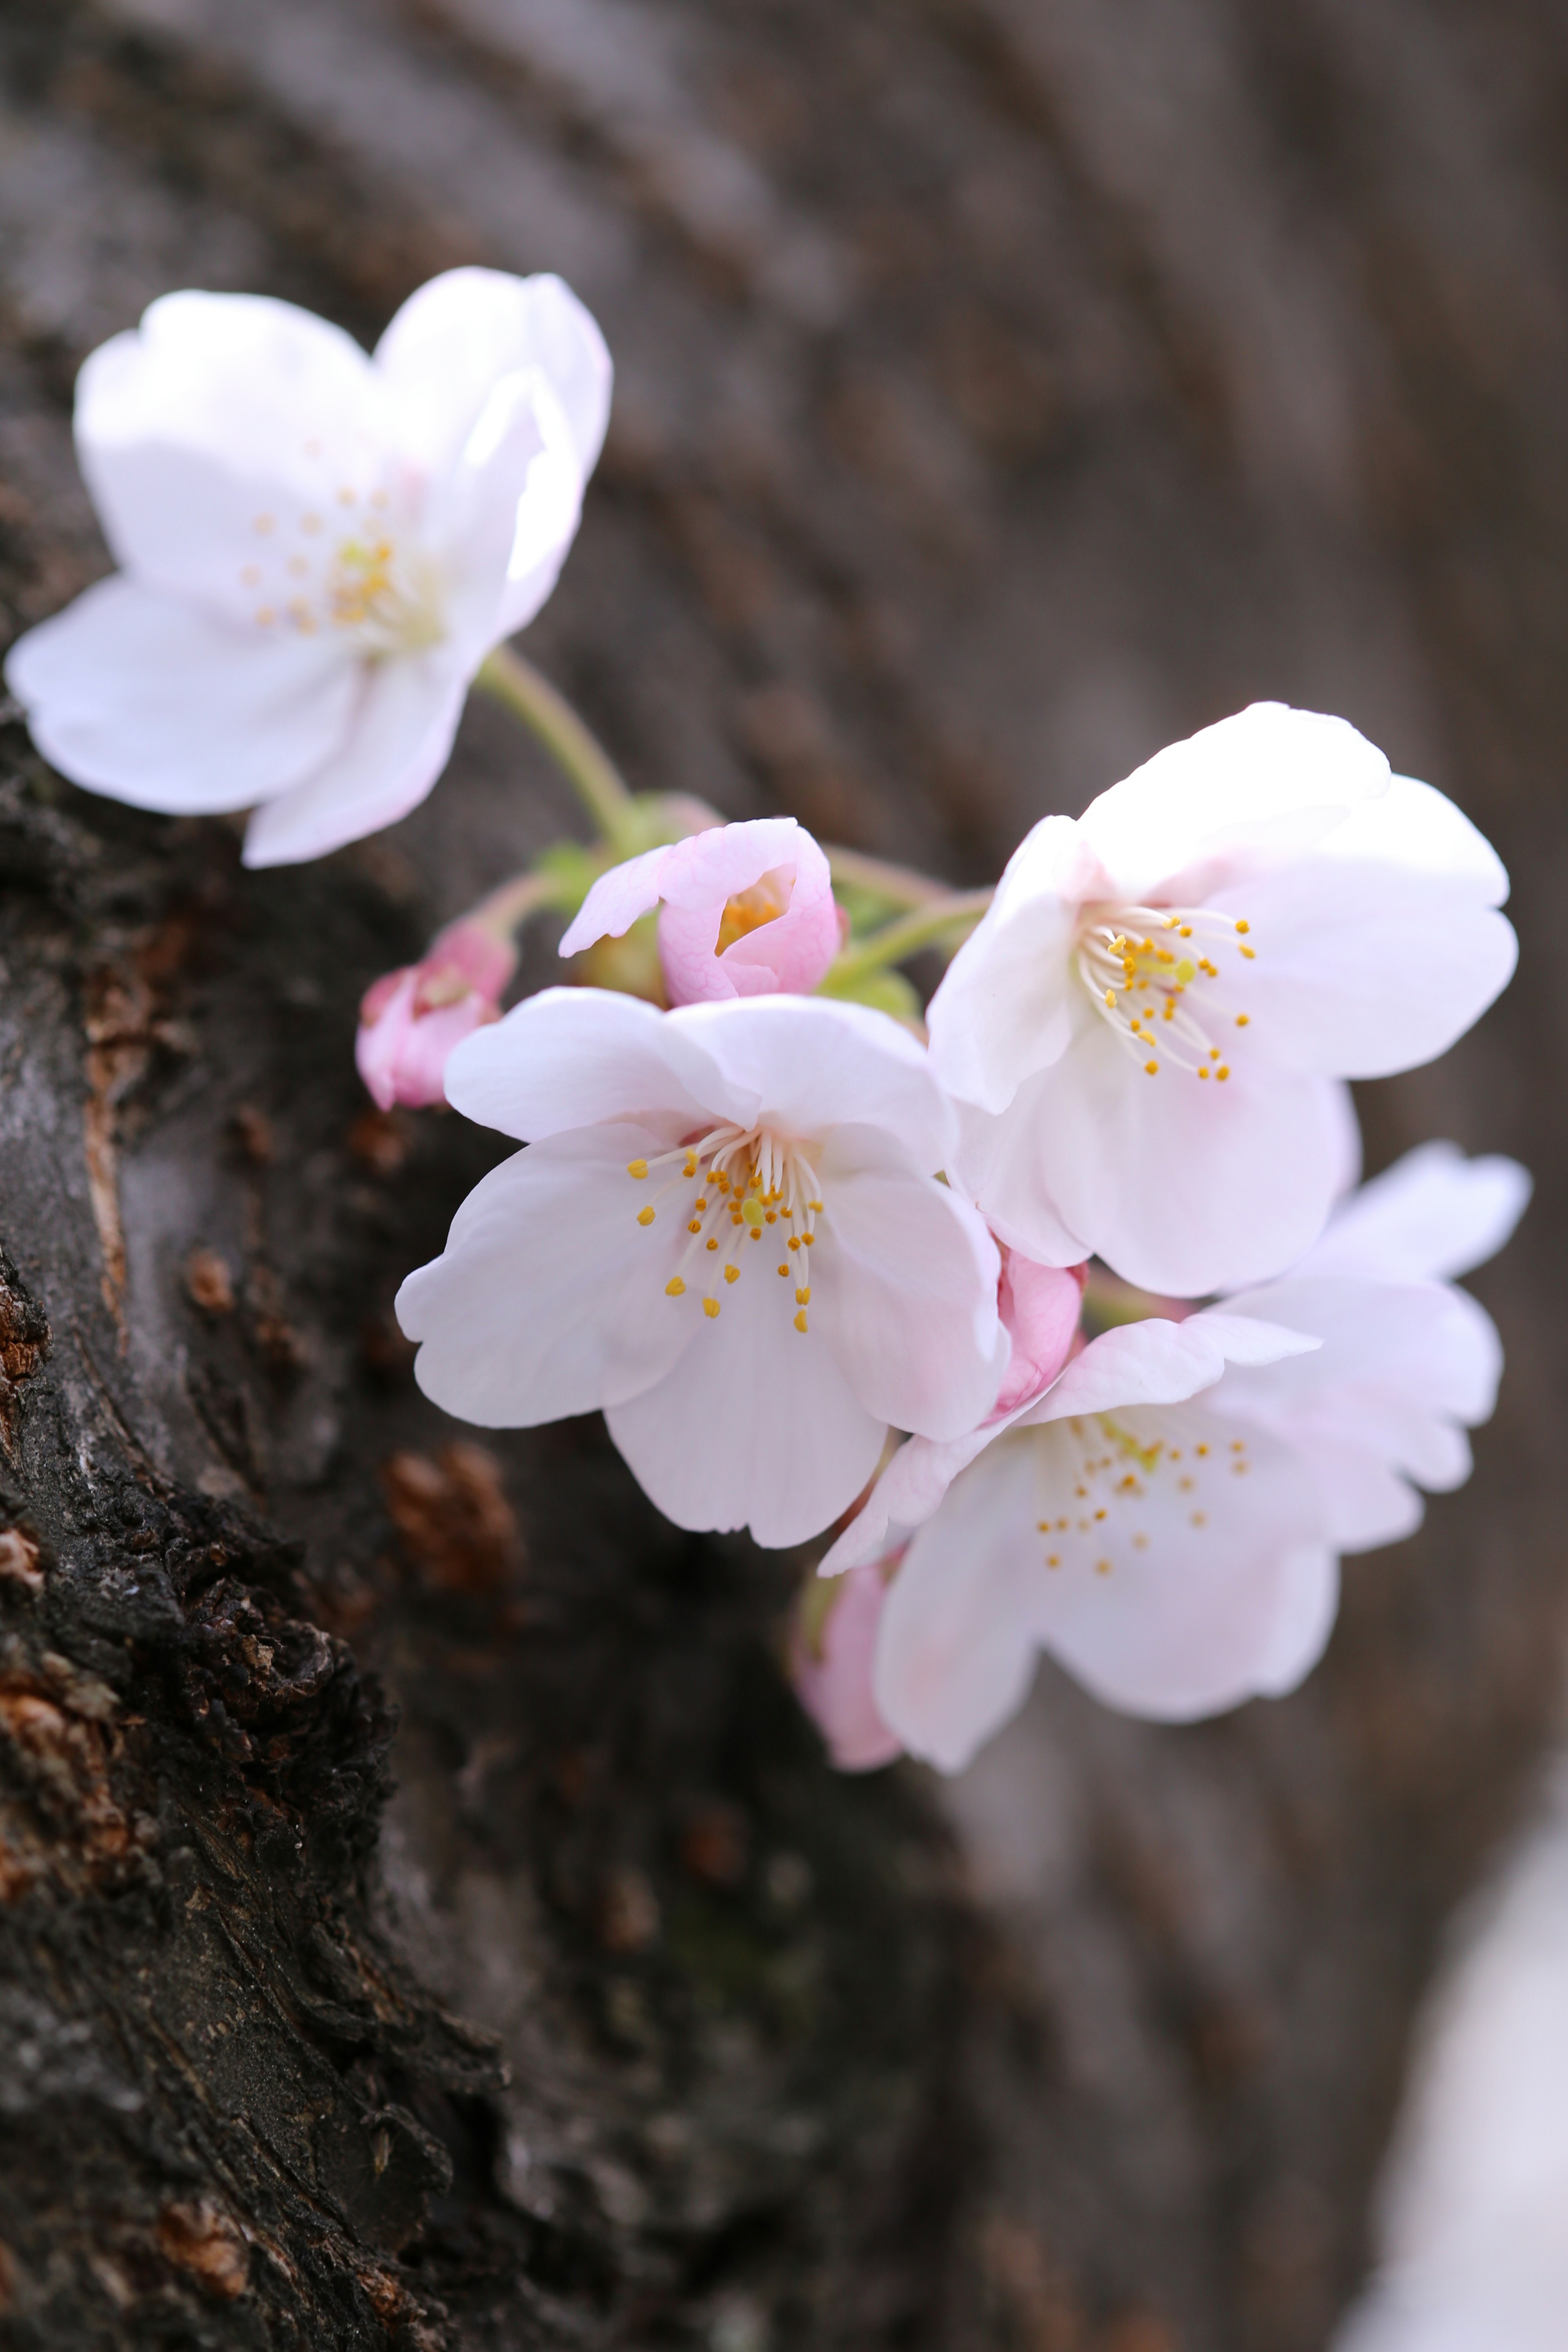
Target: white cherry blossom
{"points": [[1166, 1519], [726, 1232], [317, 548], [1147, 1030]]}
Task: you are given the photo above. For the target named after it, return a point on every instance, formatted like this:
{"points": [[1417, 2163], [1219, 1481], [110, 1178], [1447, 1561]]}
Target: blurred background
{"points": [[1005, 388]]}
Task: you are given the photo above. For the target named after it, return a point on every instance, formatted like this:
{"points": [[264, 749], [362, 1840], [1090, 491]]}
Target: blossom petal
{"points": [[757, 1425], [504, 516], [1308, 1603], [1039, 1306], [455, 339], [1364, 969], [549, 1298], [903, 1281], [832, 1680], [956, 1653], [223, 416], [1182, 1188], [1004, 1009], [144, 696], [1250, 792], [812, 1064], [571, 1057], [617, 899], [398, 741], [1418, 827], [1433, 1215], [791, 952], [1188, 1620], [999, 1163]]}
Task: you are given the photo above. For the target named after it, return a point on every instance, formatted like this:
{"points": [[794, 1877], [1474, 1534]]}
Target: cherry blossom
{"points": [[726, 1232], [831, 1653], [1147, 1028], [412, 1020], [1166, 1519], [317, 548], [745, 910]]}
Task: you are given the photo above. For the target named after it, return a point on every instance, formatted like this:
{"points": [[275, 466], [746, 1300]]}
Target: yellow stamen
{"points": [[674, 1288], [636, 1168], [800, 1320], [710, 1308], [645, 1216], [731, 1273]]}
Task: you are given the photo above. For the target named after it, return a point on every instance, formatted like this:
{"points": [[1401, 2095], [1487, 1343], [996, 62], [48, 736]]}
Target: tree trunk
{"points": [[425, 1919]]}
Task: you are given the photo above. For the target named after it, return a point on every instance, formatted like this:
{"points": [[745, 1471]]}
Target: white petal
{"points": [[616, 899], [955, 1652], [1182, 1187], [501, 522], [1004, 1007], [812, 1064], [756, 1427], [455, 339], [904, 1280], [1308, 1603], [146, 696], [1253, 789], [1415, 826], [571, 1057], [398, 740], [223, 412], [1365, 968], [549, 1298], [1433, 1215], [1186, 1621], [998, 1163]]}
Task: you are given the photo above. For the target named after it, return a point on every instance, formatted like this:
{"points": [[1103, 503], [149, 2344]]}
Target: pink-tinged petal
{"points": [[500, 523], [382, 1037], [756, 1426], [468, 948], [768, 863], [1182, 1187], [832, 1675], [812, 1064], [145, 697], [402, 1053], [955, 1654], [1173, 1603], [398, 741], [617, 899], [571, 1057], [1005, 1008], [1363, 969], [1434, 1215], [550, 1296], [1039, 1306], [1415, 826], [998, 1163], [455, 339], [903, 1279], [212, 431], [1249, 793]]}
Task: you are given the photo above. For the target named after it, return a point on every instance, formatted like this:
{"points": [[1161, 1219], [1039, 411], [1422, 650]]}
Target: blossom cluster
{"points": [[1053, 1306]]}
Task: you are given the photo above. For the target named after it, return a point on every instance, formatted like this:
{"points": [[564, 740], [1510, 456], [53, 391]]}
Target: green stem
{"points": [[901, 886], [926, 926], [588, 767], [504, 910]]}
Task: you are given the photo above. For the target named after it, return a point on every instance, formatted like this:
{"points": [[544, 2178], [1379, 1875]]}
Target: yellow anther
{"points": [[1242, 1019], [694, 1224], [1186, 930], [1148, 947], [808, 1239], [1200, 1520], [1163, 955], [1100, 1514], [784, 1269], [800, 1320], [1244, 926], [731, 1273], [1238, 1445], [712, 1242], [674, 1288], [1102, 1568], [645, 1216], [755, 1234], [636, 1168], [1152, 1068], [691, 1168], [1053, 1560], [1110, 996], [701, 1203], [1250, 953], [814, 1204], [772, 1215], [1222, 1071], [794, 1241], [1200, 1449], [802, 1297], [710, 1308]]}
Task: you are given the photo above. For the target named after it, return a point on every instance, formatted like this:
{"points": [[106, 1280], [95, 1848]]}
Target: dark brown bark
{"points": [[423, 1918]]}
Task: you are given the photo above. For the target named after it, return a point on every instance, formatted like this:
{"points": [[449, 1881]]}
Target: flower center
{"points": [[742, 1185], [748, 910], [305, 577], [1151, 973], [1095, 1479]]}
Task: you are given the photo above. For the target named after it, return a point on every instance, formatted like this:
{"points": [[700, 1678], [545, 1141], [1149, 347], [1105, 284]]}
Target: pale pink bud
{"points": [[745, 910], [832, 1652], [1039, 1306], [411, 1020]]}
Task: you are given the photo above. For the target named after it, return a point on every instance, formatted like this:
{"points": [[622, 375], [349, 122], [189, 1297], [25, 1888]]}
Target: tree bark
{"points": [[425, 1918]]}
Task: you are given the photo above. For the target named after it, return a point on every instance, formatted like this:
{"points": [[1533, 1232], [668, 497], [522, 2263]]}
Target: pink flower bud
{"points": [[411, 1020], [831, 1655], [745, 910], [1039, 1306]]}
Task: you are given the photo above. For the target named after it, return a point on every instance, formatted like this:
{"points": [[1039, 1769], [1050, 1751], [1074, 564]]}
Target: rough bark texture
{"points": [[424, 1920]]}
